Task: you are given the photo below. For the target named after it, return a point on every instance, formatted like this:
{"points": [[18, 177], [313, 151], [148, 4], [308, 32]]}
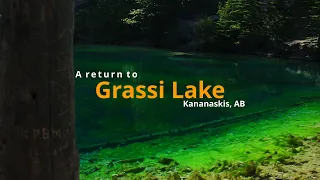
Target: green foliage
{"points": [[136, 17], [243, 25], [315, 12], [100, 21], [241, 22], [205, 28], [315, 19]]}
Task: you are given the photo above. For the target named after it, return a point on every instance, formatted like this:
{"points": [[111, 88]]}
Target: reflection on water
{"points": [[262, 83], [312, 77]]}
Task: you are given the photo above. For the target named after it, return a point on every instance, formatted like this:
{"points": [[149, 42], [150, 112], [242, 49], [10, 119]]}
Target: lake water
{"points": [[263, 84]]}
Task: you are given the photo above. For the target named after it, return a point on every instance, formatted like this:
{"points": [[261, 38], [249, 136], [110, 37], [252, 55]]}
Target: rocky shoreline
{"points": [[303, 165], [304, 49]]}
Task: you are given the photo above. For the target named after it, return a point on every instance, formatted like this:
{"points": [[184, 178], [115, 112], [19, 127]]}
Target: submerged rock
{"points": [[310, 138], [187, 170], [251, 169], [174, 176], [297, 150], [135, 160], [196, 176], [135, 170], [90, 170], [116, 176], [166, 161], [294, 141], [93, 159]]}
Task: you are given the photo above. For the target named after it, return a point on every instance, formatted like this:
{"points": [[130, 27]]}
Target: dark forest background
{"points": [[273, 27]]}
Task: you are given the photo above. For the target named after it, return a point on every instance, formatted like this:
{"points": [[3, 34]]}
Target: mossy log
{"points": [[195, 128]]}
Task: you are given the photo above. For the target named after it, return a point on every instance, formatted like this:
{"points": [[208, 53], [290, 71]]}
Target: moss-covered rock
{"points": [[173, 176], [294, 141], [135, 170], [167, 161], [196, 175]]}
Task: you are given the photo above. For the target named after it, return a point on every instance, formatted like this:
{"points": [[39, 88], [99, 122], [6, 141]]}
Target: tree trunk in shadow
{"points": [[37, 134]]}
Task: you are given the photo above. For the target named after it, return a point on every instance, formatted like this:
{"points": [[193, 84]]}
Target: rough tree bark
{"points": [[37, 135]]}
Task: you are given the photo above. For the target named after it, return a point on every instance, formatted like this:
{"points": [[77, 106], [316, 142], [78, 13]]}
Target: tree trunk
{"points": [[37, 134]]}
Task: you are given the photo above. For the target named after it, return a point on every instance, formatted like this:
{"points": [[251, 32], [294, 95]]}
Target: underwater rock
{"points": [[236, 165], [196, 176], [90, 170], [168, 167], [164, 168], [268, 157], [289, 161], [310, 138], [318, 137], [265, 139], [150, 169], [135, 170], [166, 161], [294, 141], [174, 176], [283, 158], [111, 163], [191, 146], [135, 160], [151, 177], [93, 159], [297, 150], [251, 169], [154, 144], [116, 176], [223, 166], [186, 170]]}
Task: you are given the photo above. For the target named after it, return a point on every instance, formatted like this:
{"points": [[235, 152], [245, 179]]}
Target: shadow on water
{"points": [[262, 83]]}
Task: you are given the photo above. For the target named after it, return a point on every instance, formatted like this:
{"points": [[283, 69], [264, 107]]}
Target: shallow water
{"points": [[282, 98], [262, 83], [246, 140]]}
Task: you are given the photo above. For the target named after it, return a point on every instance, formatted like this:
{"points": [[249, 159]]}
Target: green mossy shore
{"points": [[260, 147]]}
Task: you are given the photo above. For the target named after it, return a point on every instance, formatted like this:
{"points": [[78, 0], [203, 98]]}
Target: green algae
{"points": [[237, 148]]}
